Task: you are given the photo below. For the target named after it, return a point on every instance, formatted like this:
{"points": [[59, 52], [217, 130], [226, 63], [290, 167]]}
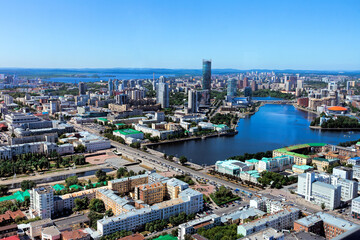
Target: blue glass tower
{"points": [[231, 87], [206, 71]]}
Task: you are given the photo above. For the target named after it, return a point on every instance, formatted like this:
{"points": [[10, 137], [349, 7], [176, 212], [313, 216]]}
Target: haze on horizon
{"points": [[298, 34]]}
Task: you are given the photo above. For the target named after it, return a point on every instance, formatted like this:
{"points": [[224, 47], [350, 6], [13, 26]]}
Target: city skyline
{"points": [[302, 35]]}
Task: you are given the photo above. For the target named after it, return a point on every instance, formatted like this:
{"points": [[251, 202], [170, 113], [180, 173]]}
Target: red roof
{"points": [[15, 237], [337, 108]]}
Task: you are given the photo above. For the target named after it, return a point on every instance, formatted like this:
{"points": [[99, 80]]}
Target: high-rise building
{"points": [[82, 88], [116, 85], [206, 71], [300, 84], [248, 92], [246, 82], [111, 87], [254, 86], [163, 95], [42, 202], [231, 87], [8, 99], [121, 99], [192, 101]]}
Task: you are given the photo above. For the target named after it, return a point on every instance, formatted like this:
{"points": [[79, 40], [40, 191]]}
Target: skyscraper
{"points": [[192, 101], [82, 88], [110, 87], [231, 87], [162, 94], [116, 85], [206, 80]]}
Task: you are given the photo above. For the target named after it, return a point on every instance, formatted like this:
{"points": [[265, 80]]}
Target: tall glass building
{"points": [[231, 87], [206, 80], [111, 87]]}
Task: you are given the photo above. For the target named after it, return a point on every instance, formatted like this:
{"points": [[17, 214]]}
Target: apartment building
{"points": [[279, 221], [189, 201], [356, 172], [323, 224], [150, 193], [42, 202], [112, 201], [355, 208], [191, 227], [323, 164], [343, 172], [174, 187], [124, 185]]}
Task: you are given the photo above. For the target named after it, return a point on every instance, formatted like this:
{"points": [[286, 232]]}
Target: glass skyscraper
{"points": [[206, 80], [231, 87]]}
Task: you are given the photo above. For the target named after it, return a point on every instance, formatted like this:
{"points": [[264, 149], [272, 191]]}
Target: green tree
{"points": [[97, 205], [81, 204], [4, 190], [71, 181], [121, 172], [27, 184], [322, 206], [101, 175], [183, 160], [80, 149]]}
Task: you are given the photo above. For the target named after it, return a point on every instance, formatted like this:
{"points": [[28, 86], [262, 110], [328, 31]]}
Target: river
{"points": [[273, 126]]}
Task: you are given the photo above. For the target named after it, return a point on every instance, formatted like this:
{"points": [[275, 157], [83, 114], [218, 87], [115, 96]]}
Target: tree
{"points": [[71, 181], [101, 175], [322, 206], [121, 172], [97, 205], [27, 184], [81, 204], [183, 160], [80, 149], [4, 189]]}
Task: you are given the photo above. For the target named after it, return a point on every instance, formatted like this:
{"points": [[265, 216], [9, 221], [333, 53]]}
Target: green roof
{"points": [[302, 167], [166, 237], [103, 119], [19, 196], [252, 160], [119, 124], [75, 186], [127, 131], [58, 187]]}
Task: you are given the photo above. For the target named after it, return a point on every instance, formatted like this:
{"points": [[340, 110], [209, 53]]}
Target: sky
{"points": [[251, 34]]}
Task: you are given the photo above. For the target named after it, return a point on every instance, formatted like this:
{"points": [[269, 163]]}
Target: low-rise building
{"points": [[323, 164], [231, 167], [299, 169], [355, 208], [267, 233], [124, 185], [279, 221], [324, 224], [50, 233], [191, 227], [126, 133], [75, 235]]}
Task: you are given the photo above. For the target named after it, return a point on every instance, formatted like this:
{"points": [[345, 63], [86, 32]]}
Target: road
{"points": [[156, 158]]}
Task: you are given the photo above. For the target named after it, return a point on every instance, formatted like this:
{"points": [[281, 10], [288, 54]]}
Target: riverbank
{"points": [[191, 138], [334, 129], [304, 109]]}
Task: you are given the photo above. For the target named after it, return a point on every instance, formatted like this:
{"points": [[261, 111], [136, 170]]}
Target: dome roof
{"points": [[337, 108]]}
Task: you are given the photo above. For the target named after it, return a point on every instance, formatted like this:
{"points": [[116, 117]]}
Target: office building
{"points": [[317, 189], [231, 167], [163, 94], [349, 188], [343, 172], [191, 227], [42, 202], [231, 87], [121, 99], [8, 99], [300, 84], [206, 75], [82, 88], [279, 221], [110, 87], [116, 85]]}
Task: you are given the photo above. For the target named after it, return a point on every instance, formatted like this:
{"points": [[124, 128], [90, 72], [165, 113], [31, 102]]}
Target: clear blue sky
{"points": [[272, 34]]}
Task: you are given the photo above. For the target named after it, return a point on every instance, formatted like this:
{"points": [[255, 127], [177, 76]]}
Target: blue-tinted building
{"points": [[231, 87], [206, 81], [111, 87]]}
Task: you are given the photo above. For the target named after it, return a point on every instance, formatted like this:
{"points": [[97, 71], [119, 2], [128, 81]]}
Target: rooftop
{"points": [[302, 167], [127, 131], [166, 237]]}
